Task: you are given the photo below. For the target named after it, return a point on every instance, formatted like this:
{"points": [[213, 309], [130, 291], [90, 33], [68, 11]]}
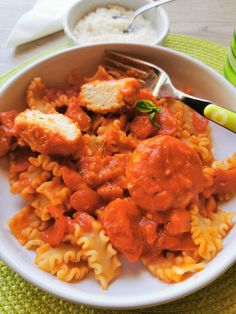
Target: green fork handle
{"points": [[221, 116], [213, 112]]}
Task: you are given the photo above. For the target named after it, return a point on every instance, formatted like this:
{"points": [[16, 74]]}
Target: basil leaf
{"points": [[152, 119], [147, 106], [156, 109], [144, 105]]}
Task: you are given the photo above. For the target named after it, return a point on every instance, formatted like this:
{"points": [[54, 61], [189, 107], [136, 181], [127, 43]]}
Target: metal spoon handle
{"points": [[148, 7]]}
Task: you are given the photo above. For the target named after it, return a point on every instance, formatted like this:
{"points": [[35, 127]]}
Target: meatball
{"points": [[164, 173]]}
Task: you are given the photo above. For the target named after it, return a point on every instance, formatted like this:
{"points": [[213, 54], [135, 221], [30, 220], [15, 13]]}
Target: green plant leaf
{"points": [[145, 105], [152, 119]]}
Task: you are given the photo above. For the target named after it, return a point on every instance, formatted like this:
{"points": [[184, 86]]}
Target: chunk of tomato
{"points": [[55, 233], [179, 222], [85, 199], [120, 219]]}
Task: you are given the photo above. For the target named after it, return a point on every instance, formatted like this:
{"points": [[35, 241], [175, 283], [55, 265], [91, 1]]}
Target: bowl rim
{"points": [[111, 302], [76, 41]]}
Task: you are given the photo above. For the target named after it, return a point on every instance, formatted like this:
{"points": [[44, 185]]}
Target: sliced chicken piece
{"points": [[48, 133], [108, 96]]}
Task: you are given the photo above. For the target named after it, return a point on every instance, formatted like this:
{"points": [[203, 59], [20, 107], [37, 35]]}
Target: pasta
{"points": [[106, 169], [47, 164], [100, 254], [173, 268], [29, 181], [223, 222], [207, 233], [26, 227], [64, 262], [36, 96], [55, 191], [226, 164], [97, 250], [220, 179]]}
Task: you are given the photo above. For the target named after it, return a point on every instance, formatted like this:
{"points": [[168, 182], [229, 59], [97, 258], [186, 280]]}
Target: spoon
{"points": [[141, 10]]}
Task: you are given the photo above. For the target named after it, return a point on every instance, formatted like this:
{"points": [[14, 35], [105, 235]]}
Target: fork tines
{"points": [[115, 61]]}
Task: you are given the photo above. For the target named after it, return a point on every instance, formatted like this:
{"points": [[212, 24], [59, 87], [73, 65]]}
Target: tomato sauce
{"points": [[120, 219], [54, 93], [142, 127], [77, 114], [84, 220], [85, 199], [200, 123], [19, 159], [97, 169], [224, 181], [179, 222], [166, 121], [181, 242], [7, 131], [55, 233], [72, 179]]}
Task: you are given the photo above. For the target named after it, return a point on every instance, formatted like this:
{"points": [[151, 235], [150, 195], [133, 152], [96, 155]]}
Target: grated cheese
{"points": [[106, 24]]}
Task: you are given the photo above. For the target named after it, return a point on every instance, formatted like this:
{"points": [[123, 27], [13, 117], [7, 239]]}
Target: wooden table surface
{"points": [[213, 20]]}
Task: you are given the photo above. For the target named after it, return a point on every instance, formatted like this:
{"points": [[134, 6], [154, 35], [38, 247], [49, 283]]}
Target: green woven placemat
{"points": [[19, 296]]}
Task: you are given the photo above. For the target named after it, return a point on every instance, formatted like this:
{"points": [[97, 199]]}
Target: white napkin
{"points": [[43, 19]]}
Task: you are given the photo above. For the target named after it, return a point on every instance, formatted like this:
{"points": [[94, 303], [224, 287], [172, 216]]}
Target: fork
{"points": [[158, 81]]}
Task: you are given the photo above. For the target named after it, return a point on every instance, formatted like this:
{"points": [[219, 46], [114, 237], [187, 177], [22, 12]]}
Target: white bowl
{"points": [[135, 287], [157, 16]]}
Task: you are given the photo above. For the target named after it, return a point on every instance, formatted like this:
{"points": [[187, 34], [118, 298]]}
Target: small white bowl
{"points": [[156, 16]]}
